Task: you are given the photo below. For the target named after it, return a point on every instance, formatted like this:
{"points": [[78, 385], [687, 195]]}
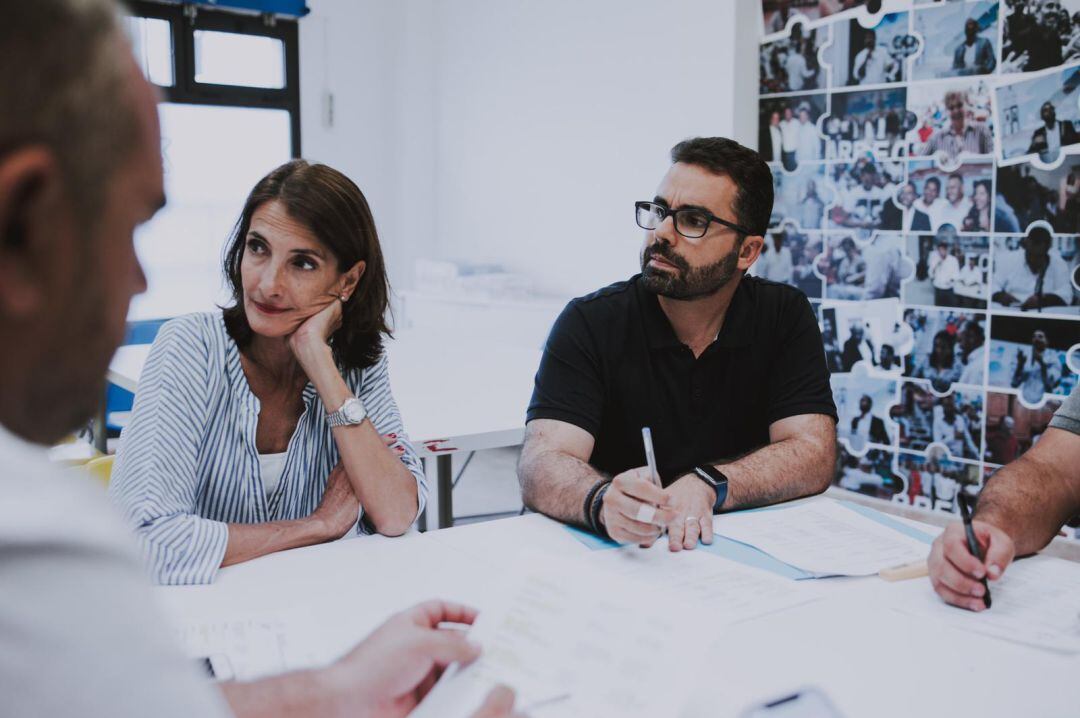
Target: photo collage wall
{"points": [[926, 162]]}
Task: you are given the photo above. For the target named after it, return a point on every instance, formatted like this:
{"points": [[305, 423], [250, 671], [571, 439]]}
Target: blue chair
{"points": [[119, 401]]}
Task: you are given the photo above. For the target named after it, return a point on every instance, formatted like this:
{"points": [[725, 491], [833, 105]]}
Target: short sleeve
{"points": [[799, 378], [1067, 416], [569, 384]]}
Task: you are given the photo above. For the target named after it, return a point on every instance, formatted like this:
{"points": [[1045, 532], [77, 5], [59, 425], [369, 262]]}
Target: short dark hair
{"points": [[752, 177], [337, 213], [72, 97], [935, 181]]}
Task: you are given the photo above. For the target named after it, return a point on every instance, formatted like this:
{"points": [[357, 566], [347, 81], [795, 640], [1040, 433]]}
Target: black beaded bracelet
{"points": [[598, 506], [586, 509]]}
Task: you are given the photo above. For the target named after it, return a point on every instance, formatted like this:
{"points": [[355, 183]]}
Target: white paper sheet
{"points": [[731, 591], [823, 538], [254, 645], [1036, 602], [574, 639]]}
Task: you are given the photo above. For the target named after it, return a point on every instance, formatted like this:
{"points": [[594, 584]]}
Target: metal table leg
{"points": [[101, 431], [421, 523], [444, 468]]}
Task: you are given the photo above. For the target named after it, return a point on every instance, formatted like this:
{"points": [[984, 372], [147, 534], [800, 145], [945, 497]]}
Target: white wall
{"points": [[521, 131], [376, 59]]}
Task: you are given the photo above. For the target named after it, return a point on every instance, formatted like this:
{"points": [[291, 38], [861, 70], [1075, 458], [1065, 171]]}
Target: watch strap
{"points": [[341, 418]]}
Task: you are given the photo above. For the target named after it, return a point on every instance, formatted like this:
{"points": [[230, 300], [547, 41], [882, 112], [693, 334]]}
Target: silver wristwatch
{"points": [[352, 412]]}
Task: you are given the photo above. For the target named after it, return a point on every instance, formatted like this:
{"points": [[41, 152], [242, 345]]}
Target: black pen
{"points": [[973, 544]]}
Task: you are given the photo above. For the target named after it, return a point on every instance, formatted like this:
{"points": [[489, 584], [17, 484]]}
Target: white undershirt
{"points": [[271, 466]]}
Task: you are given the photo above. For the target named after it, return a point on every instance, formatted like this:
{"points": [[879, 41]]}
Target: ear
{"points": [[351, 278], [31, 188], [750, 250]]}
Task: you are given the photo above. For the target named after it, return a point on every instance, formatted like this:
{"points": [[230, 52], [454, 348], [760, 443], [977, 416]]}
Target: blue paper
{"points": [[886, 520], [756, 558], [591, 540], [721, 546]]}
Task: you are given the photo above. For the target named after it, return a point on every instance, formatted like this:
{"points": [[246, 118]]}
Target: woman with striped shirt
{"points": [[271, 425]]}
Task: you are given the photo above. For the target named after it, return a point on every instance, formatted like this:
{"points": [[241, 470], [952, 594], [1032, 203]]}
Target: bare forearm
{"points": [[1029, 499], [555, 484], [303, 693], [781, 471], [383, 484], [248, 541]]}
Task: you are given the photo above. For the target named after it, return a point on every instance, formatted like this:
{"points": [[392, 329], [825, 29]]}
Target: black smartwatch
{"points": [[716, 479]]}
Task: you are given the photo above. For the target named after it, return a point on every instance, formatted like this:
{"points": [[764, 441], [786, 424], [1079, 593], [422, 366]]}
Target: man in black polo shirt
{"points": [[727, 371]]}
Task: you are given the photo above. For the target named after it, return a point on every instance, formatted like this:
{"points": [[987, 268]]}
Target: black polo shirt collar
{"points": [[737, 330]]}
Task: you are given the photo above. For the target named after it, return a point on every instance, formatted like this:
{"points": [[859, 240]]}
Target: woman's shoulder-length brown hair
{"points": [[337, 213]]}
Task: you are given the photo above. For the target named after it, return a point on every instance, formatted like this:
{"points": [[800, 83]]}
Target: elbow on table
{"points": [[394, 524], [820, 476], [394, 528], [527, 473]]}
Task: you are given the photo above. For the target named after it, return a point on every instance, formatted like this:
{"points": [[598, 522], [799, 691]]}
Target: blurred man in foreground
{"points": [[80, 168]]}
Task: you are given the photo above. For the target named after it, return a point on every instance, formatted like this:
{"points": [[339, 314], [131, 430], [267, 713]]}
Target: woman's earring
{"points": [[344, 297]]}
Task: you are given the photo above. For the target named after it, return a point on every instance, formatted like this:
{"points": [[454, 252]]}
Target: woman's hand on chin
{"points": [[313, 335]]}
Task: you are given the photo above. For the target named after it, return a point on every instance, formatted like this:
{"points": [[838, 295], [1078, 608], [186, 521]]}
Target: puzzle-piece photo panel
{"points": [[939, 150]]}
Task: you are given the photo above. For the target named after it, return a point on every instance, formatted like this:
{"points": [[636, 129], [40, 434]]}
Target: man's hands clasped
{"points": [[635, 510]]}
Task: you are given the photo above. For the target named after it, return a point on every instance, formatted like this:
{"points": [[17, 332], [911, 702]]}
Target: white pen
{"points": [[543, 703], [650, 455]]}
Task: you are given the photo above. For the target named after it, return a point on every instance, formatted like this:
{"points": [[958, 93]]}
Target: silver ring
{"points": [[692, 518]]}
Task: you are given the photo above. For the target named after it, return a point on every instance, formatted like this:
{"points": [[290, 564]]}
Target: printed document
{"points": [[1036, 602], [744, 592], [823, 538], [575, 639]]}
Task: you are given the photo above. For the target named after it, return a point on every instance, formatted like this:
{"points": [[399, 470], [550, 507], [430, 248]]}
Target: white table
{"points": [[454, 397], [869, 659]]}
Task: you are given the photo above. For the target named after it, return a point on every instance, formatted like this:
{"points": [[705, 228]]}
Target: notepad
{"points": [[822, 538]]}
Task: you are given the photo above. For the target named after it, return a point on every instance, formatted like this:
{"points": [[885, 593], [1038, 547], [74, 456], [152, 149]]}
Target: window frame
{"points": [[185, 20]]}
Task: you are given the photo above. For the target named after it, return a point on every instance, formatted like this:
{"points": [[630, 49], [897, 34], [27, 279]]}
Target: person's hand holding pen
{"points": [[635, 509], [957, 575]]}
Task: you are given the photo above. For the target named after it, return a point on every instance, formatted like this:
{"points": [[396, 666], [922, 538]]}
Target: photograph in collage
{"points": [[787, 129], [1031, 356], [790, 64], [1012, 428], [957, 39], [870, 56], [1037, 117], [778, 14], [1034, 273]]}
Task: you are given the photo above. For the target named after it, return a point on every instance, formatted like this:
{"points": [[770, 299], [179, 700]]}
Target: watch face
{"points": [[353, 411], [705, 477]]}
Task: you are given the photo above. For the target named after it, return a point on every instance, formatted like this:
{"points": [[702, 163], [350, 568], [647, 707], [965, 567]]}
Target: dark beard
{"points": [[688, 282]]}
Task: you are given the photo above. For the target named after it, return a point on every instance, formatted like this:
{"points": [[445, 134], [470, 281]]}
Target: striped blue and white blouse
{"points": [[187, 462]]}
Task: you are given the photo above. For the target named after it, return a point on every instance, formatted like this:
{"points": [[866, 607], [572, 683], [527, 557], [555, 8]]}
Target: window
{"points": [[230, 113]]}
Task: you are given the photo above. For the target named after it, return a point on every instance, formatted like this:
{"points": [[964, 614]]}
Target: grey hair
{"points": [[62, 87]]}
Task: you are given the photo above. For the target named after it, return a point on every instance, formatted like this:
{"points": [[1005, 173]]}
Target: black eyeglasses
{"points": [[690, 222]]}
